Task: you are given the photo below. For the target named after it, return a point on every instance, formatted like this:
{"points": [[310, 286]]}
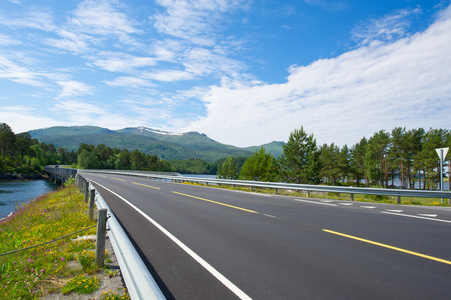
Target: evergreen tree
{"points": [[357, 167], [260, 166], [299, 162], [376, 161], [228, 169], [330, 161]]}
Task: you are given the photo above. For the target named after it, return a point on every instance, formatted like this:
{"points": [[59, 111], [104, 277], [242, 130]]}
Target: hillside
{"points": [[163, 144]]}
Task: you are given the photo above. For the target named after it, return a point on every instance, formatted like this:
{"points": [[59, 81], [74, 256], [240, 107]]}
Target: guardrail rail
{"points": [[139, 281]]}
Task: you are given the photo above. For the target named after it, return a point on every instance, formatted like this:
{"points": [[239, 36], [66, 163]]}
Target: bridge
{"points": [[205, 243]]}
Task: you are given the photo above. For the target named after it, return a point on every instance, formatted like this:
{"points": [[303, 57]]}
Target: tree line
{"points": [[22, 154], [407, 155]]}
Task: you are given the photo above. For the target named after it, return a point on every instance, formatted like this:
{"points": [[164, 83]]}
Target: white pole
{"points": [[441, 172]]}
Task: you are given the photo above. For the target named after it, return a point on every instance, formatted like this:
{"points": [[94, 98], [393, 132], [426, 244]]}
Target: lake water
{"points": [[14, 193]]}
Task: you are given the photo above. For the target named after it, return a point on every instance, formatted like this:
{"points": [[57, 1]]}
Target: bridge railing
{"points": [[59, 173], [307, 188]]}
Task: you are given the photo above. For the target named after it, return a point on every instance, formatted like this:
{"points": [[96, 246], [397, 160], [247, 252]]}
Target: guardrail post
{"points": [[398, 199], [86, 191], [308, 194], [352, 197], [92, 195], [100, 242]]}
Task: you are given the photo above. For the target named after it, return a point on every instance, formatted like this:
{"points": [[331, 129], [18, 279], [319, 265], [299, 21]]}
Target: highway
{"points": [[208, 243]]}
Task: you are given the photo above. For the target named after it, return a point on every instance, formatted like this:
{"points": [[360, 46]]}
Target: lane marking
{"points": [[99, 175], [395, 210], [237, 291], [343, 203], [390, 247], [428, 215], [270, 216], [118, 179], [220, 203], [368, 206], [153, 187], [417, 217], [315, 202], [327, 201]]}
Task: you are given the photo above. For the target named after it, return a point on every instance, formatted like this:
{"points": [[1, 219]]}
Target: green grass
{"points": [[65, 266]]}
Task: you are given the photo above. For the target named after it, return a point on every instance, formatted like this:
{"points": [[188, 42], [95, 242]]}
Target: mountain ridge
{"points": [[166, 145]]}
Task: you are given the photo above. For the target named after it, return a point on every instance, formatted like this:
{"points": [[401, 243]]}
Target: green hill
{"points": [[163, 144]]}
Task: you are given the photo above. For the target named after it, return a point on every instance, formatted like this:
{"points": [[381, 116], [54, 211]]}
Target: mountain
{"points": [[163, 144], [275, 148]]}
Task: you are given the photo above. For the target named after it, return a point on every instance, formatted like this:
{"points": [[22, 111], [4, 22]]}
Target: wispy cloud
{"points": [[33, 17], [17, 73], [388, 28], [8, 41], [129, 82], [102, 17], [121, 62], [196, 21], [74, 88]]}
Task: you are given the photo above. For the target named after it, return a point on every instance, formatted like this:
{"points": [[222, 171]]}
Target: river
{"points": [[16, 192]]}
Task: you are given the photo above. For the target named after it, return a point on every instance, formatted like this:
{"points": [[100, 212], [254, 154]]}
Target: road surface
{"points": [[208, 243]]}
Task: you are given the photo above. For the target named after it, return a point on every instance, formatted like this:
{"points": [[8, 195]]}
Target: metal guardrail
{"points": [[290, 186], [139, 281]]}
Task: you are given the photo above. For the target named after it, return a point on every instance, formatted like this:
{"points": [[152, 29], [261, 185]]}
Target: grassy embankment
{"points": [[338, 196], [64, 266]]}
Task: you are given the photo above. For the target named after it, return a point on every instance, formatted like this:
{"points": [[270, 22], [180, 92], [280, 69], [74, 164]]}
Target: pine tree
{"points": [[260, 166], [299, 162]]}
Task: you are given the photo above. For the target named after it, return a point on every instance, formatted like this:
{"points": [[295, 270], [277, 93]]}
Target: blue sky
{"points": [[243, 72]]}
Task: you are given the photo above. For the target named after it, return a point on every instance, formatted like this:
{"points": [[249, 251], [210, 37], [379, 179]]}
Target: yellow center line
{"points": [[118, 179], [153, 187], [390, 247], [236, 207], [101, 176]]}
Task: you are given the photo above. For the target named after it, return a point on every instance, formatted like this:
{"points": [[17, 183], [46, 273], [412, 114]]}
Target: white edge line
{"points": [[196, 257], [315, 202], [418, 217]]}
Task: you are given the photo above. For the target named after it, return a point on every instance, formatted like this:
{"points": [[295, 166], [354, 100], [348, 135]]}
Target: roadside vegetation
{"points": [[65, 266]]}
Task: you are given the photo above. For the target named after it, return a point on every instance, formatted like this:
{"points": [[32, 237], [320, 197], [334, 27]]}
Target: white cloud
{"points": [[388, 28], [22, 118], [168, 75], [70, 41], [20, 74], [196, 20], [33, 18], [129, 82], [80, 112], [74, 88], [8, 41], [122, 62], [340, 100], [103, 18]]}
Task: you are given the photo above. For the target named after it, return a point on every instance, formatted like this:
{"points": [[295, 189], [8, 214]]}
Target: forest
{"points": [[406, 155]]}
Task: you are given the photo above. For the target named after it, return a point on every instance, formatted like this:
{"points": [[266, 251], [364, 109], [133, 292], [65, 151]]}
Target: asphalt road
{"points": [[207, 243]]}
